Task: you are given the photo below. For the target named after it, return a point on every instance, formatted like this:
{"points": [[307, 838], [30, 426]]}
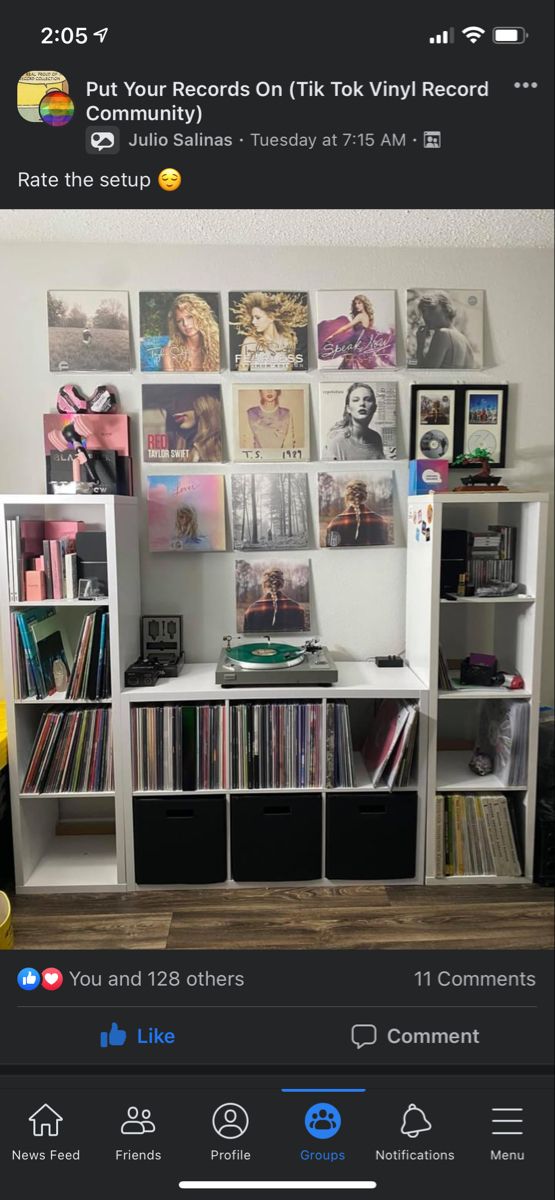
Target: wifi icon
{"points": [[473, 33]]}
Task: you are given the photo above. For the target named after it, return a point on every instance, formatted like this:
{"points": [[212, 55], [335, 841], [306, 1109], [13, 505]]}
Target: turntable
{"points": [[275, 664]]}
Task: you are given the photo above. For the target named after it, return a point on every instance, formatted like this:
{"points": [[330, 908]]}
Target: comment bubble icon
{"points": [[364, 1035]]}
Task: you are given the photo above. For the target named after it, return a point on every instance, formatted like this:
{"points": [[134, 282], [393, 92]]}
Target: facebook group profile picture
{"points": [[28, 979]]}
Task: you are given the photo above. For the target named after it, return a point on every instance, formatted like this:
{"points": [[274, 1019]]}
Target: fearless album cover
{"points": [[180, 331], [268, 331], [358, 421], [272, 595], [356, 330], [445, 328], [186, 513], [270, 512], [356, 510], [182, 422]]}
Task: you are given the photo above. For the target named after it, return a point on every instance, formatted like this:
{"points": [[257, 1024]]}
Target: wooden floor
{"points": [[334, 918]]}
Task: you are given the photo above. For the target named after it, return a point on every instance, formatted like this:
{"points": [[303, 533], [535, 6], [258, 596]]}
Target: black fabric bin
{"points": [[371, 836], [276, 836], [180, 839]]}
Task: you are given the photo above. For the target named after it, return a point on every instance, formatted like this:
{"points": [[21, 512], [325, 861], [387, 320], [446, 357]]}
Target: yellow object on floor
{"points": [[3, 736], [6, 927]]}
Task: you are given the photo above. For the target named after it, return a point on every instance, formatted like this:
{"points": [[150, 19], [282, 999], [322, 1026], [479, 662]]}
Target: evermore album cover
{"points": [[356, 510], [272, 595]]}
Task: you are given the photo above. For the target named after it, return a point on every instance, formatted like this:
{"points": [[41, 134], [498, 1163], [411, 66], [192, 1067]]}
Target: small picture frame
{"points": [[452, 419]]}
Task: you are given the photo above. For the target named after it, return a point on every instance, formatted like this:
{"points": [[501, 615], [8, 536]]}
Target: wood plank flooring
{"points": [[334, 918]]}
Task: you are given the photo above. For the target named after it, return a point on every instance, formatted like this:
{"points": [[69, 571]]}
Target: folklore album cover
{"points": [[270, 512]]}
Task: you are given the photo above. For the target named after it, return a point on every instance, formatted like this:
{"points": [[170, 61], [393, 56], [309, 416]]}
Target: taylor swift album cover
{"points": [[356, 330], [186, 512], [268, 331], [358, 420], [445, 328], [271, 423], [270, 512], [272, 595], [182, 422], [356, 510], [180, 331], [89, 331]]}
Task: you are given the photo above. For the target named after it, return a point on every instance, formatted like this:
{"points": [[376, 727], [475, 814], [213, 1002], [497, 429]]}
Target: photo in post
{"points": [[445, 328], [356, 330], [186, 513], [180, 331], [271, 423], [182, 422], [268, 331]]}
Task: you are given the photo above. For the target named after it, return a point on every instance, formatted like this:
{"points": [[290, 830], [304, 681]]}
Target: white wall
{"points": [[358, 597]]}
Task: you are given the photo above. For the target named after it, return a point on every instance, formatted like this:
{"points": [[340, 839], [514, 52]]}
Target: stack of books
{"points": [[72, 752], [178, 748], [42, 562], [340, 771], [276, 745], [475, 836], [388, 750], [491, 556], [90, 674]]}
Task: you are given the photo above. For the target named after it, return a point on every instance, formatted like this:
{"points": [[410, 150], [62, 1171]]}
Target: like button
{"points": [[28, 979]]}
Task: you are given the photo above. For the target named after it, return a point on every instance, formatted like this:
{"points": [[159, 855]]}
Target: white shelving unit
{"points": [[47, 861], [509, 628], [358, 682]]}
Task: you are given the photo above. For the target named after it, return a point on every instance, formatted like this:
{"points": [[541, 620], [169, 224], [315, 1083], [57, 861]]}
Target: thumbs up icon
{"points": [[114, 1037], [28, 979]]}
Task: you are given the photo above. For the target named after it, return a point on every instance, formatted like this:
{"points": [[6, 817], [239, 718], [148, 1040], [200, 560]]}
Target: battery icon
{"points": [[509, 35]]}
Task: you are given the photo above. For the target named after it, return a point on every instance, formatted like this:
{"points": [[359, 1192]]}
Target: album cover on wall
{"points": [[182, 422], [356, 510], [445, 328], [268, 331], [88, 331], [358, 420], [459, 419], [271, 423], [186, 512], [272, 596], [180, 331], [270, 512], [356, 330]]}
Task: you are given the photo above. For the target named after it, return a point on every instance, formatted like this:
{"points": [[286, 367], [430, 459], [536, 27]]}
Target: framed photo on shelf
{"points": [[271, 423], [458, 419]]}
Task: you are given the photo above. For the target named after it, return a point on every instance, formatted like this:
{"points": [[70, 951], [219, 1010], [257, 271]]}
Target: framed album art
{"points": [[460, 419], [445, 328], [271, 423], [356, 330], [268, 331]]}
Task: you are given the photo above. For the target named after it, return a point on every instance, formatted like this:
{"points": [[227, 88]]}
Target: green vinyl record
{"points": [[265, 654]]}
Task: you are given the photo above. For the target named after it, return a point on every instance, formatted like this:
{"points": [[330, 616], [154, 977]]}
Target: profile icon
{"points": [[230, 1121], [43, 97]]}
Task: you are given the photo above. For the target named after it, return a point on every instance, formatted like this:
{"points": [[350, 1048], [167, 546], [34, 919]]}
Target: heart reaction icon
{"points": [[52, 979]]}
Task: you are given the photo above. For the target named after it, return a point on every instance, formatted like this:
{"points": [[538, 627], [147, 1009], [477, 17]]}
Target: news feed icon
{"points": [[43, 97]]}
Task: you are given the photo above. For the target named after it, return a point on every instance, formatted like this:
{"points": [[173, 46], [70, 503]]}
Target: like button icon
{"points": [[28, 979]]}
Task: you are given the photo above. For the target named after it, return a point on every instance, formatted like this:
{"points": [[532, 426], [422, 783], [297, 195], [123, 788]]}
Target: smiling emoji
{"points": [[169, 179]]}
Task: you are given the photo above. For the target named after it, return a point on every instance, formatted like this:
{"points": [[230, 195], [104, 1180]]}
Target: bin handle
{"points": [[371, 810], [180, 814], [277, 810]]}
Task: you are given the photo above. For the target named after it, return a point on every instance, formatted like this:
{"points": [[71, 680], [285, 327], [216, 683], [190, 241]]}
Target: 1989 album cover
{"points": [[271, 423]]}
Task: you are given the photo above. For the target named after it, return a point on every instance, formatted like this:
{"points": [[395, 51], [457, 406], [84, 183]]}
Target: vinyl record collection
{"points": [[37, 645], [178, 748], [340, 770], [90, 675], [388, 751], [474, 836], [72, 753], [276, 745]]}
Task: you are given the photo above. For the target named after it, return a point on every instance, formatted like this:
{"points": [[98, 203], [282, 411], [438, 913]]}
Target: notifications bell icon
{"points": [[415, 1121]]}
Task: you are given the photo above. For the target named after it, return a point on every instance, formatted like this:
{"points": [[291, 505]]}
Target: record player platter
{"points": [[275, 664]]}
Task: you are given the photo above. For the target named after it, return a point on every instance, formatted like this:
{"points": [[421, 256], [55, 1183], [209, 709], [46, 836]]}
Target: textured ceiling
{"points": [[319, 227]]}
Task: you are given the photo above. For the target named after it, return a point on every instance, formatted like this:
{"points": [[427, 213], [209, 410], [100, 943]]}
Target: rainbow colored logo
{"points": [[56, 108]]}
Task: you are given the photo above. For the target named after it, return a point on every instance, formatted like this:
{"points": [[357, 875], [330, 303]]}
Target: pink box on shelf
{"points": [[35, 585]]}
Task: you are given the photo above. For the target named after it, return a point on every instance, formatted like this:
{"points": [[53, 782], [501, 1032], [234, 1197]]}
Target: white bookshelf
{"points": [[509, 628], [358, 683], [47, 861]]}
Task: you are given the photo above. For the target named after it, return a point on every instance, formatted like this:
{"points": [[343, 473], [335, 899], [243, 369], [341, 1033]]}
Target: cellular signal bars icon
{"points": [[446, 37]]}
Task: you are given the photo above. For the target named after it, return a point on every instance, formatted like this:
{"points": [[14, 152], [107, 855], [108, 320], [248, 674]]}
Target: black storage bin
{"points": [[371, 836], [6, 851], [276, 836], [180, 840]]}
